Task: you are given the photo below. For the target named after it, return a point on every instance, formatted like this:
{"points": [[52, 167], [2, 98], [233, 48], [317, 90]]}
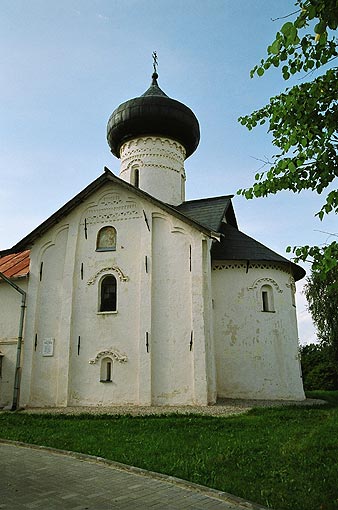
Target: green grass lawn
{"points": [[285, 458]]}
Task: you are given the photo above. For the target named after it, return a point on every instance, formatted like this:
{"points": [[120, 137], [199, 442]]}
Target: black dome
{"points": [[153, 113]]}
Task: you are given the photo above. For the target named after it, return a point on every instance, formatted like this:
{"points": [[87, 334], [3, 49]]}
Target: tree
{"points": [[303, 120], [322, 296], [318, 369]]}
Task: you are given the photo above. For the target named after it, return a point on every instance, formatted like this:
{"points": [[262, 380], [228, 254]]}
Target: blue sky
{"points": [[66, 65]]}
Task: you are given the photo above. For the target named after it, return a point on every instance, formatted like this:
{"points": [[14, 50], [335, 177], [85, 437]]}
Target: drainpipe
{"points": [[17, 377]]}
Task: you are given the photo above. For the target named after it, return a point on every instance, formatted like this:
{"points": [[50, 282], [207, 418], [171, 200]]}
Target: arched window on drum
{"points": [[135, 176]]}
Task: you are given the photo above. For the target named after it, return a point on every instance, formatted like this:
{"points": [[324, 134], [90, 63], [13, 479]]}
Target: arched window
{"points": [[106, 371], [106, 239], [135, 177], [108, 294], [182, 188], [267, 298]]}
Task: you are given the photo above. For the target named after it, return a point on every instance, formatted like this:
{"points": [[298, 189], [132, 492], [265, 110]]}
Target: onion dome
{"points": [[153, 114]]}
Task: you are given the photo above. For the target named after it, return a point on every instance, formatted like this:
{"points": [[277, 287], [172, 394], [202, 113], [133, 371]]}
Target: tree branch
{"points": [[287, 16], [329, 234]]}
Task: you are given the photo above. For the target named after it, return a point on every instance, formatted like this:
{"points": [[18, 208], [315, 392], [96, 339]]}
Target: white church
{"points": [[129, 294]]}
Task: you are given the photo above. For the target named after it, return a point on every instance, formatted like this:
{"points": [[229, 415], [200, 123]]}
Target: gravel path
{"points": [[224, 407]]}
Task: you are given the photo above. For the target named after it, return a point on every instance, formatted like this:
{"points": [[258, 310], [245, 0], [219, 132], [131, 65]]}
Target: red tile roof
{"points": [[15, 264]]}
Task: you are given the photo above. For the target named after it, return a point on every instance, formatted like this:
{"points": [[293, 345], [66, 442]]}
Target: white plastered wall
{"points": [[160, 163], [10, 311], [256, 352], [64, 307], [171, 357], [113, 333], [44, 320], [181, 341]]}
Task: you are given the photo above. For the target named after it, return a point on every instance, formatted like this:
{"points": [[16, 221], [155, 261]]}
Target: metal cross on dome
{"points": [[155, 61]]}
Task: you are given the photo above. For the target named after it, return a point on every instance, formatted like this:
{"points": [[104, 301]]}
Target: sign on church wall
{"points": [[48, 347]]}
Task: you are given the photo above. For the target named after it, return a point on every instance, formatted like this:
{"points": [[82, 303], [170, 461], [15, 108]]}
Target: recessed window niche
{"points": [[106, 371], [267, 298], [106, 239], [108, 294]]}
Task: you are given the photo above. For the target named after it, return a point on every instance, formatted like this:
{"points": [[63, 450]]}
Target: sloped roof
{"points": [[15, 265], [209, 211], [235, 245], [104, 178], [206, 215]]}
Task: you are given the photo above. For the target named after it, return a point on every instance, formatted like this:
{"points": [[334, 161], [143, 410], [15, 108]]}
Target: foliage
{"points": [[303, 120], [321, 291], [318, 368], [285, 458]]}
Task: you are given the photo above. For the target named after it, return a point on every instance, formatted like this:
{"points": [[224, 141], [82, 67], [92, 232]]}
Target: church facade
{"points": [[136, 296]]}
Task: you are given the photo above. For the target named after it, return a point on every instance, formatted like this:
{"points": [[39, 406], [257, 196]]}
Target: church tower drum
{"points": [[153, 135]]}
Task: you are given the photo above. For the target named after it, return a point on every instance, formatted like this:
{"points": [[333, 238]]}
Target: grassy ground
{"points": [[285, 458]]}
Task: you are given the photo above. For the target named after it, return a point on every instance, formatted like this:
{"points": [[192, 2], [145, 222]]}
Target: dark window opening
{"points": [[108, 294], [265, 300], [106, 371], [136, 178], [108, 368]]}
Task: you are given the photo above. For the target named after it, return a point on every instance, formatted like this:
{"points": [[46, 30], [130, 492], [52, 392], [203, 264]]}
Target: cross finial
{"points": [[155, 62]]}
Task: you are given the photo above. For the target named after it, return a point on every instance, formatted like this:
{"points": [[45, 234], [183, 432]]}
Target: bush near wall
{"points": [[318, 368]]}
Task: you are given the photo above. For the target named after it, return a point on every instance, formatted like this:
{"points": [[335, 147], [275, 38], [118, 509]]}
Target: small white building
{"points": [[137, 296]]}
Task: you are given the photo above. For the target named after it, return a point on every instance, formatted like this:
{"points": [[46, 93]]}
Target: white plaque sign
{"points": [[48, 347]]}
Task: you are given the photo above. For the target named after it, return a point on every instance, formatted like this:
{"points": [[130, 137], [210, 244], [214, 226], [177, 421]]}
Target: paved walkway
{"points": [[35, 478]]}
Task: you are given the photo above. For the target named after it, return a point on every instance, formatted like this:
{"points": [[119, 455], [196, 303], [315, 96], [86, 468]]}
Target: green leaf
{"points": [[283, 56], [300, 22], [260, 71], [311, 11], [275, 47], [320, 27], [286, 28]]}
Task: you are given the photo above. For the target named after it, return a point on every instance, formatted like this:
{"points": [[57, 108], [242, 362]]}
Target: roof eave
{"points": [[20, 277], [297, 271]]}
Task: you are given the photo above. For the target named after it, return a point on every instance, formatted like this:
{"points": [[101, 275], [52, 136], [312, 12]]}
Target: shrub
{"points": [[318, 368]]}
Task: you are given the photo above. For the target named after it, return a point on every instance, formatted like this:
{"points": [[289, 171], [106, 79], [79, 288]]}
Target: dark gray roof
{"points": [[209, 211], [154, 89], [235, 245], [153, 113]]}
